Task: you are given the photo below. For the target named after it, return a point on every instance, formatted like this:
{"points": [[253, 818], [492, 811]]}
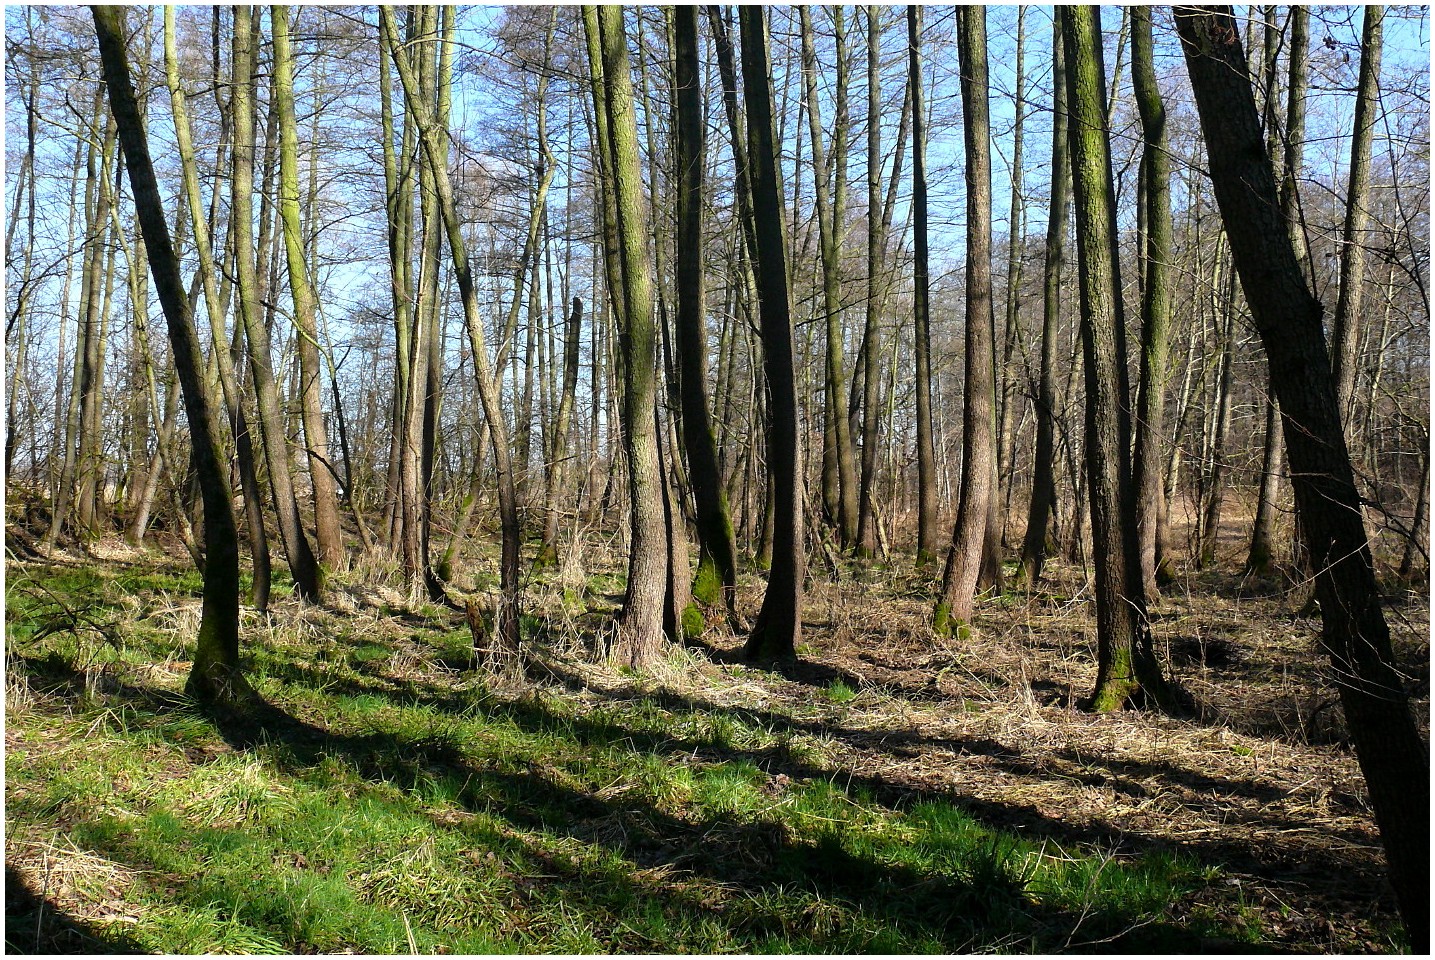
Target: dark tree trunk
{"points": [[1393, 756], [778, 627], [716, 579], [215, 677]]}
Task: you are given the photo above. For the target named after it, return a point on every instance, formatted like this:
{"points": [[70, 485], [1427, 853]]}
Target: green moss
{"points": [[945, 625], [707, 585], [693, 623], [942, 619]]}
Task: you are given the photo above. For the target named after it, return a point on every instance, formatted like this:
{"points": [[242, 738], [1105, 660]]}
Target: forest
{"points": [[717, 479]]}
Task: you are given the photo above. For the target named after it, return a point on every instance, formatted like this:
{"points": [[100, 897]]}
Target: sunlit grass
{"points": [[392, 815]]}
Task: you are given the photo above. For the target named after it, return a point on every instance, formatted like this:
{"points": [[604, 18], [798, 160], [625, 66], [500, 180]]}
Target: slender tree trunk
{"points": [[1126, 661], [778, 628], [1016, 231], [215, 677], [964, 558], [329, 535], [927, 536], [1261, 559], [1155, 302], [1220, 428], [1346, 335], [89, 463], [62, 497], [1393, 756], [831, 210], [871, 408], [308, 577], [716, 579], [1043, 483]]}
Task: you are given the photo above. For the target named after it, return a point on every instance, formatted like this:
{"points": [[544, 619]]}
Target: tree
{"points": [[964, 558], [308, 577], [1043, 483], [1155, 303], [640, 627], [921, 303], [1126, 661], [716, 577], [328, 534], [215, 678], [1354, 636], [432, 136], [778, 628]]}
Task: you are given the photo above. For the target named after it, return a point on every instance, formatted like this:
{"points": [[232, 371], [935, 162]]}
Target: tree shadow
{"points": [[36, 925], [959, 909], [812, 673]]}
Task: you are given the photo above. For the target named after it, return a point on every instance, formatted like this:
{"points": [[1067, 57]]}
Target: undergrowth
{"points": [[389, 801]]}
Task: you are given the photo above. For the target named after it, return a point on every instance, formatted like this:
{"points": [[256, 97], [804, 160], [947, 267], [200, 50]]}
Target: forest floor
{"points": [[893, 793]]}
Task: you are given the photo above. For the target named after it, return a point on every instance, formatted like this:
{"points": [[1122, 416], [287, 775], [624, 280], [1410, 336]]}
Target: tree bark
{"points": [[964, 558], [1126, 661], [778, 628], [1392, 755], [215, 678], [1043, 482]]}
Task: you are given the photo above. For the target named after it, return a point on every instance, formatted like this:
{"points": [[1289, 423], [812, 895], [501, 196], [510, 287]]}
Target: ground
{"points": [[892, 792]]}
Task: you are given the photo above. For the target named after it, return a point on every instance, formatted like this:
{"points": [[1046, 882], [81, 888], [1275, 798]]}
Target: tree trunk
{"points": [[921, 303], [778, 628], [1012, 337], [1043, 481], [964, 558], [308, 577], [831, 211], [1393, 756], [1346, 335], [640, 631], [215, 678], [716, 579], [329, 535], [871, 410], [1126, 661], [1155, 302]]}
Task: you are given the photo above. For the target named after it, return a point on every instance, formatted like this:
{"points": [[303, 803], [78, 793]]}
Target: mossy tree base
{"points": [[949, 627]]}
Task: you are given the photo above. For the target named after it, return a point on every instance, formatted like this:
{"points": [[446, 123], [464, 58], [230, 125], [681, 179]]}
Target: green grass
{"points": [[379, 814]]}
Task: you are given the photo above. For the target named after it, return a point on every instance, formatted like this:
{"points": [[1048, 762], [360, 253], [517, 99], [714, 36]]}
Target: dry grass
{"points": [[1263, 785]]}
